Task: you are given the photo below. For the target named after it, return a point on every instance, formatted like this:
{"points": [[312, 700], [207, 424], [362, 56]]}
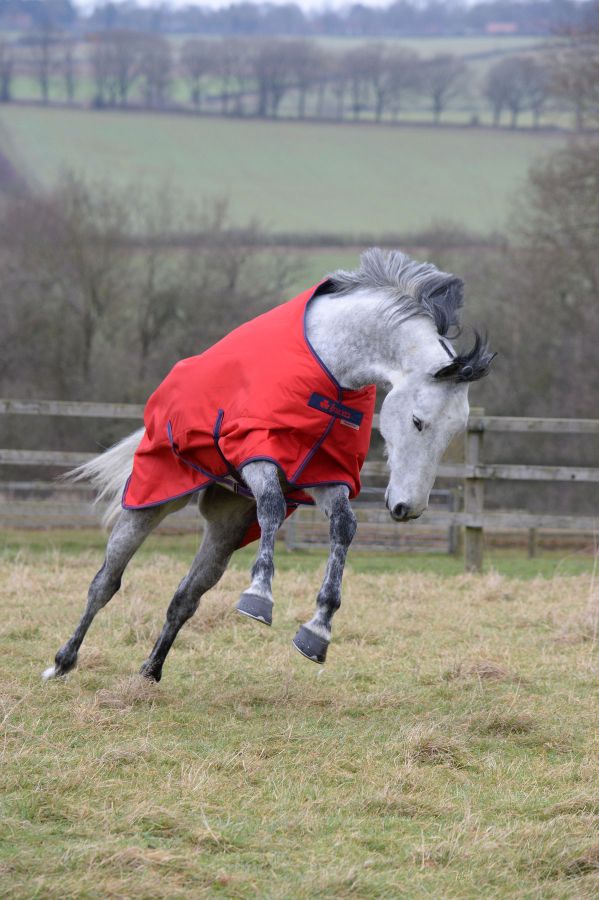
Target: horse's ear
{"points": [[451, 370]]}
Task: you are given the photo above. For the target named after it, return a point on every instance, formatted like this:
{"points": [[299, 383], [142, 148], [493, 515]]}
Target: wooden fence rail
{"points": [[473, 472]]}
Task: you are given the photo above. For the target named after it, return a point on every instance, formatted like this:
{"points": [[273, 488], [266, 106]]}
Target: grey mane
{"points": [[412, 288]]}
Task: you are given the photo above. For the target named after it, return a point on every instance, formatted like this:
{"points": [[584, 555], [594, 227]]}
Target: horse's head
{"points": [[419, 417]]}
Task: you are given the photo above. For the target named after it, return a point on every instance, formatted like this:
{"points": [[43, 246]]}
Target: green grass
{"points": [[460, 45], [447, 749], [296, 177], [182, 547]]}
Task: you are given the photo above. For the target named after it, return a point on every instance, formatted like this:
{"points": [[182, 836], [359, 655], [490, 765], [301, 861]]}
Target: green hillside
{"points": [[293, 176]]}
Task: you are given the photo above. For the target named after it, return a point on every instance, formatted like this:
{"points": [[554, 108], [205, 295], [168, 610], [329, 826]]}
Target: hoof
{"points": [[255, 607], [311, 645], [47, 674], [150, 672], [55, 672]]}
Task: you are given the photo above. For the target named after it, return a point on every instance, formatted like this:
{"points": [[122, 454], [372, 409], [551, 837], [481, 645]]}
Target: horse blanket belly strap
{"points": [[262, 393]]}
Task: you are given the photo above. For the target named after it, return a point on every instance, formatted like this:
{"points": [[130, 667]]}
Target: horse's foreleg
{"points": [[227, 519], [314, 637], [263, 480], [131, 529]]}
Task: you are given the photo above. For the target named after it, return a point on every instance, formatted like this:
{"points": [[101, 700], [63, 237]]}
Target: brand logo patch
{"points": [[347, 415]]}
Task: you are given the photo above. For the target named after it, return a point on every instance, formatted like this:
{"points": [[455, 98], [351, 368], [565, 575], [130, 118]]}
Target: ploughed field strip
{"points": [[448, 748]]}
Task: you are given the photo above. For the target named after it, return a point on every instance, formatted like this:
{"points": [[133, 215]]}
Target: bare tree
{"points": [[574, 75], [116, 58], [496, 90], [305, 63], [42, 59], [155, 69], [7, 64], [65, 250], [101, 290], [197, 61], [517, 84], [105, 89], [339, 77], [403, 74], [359, 65], [443, 79], [270, 67], [67, 65]]}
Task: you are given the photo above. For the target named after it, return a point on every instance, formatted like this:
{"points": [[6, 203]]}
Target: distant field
{"points": [[295, 177]]}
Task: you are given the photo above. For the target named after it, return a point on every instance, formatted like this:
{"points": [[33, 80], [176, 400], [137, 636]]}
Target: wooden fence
{"points": [[20, 500]]}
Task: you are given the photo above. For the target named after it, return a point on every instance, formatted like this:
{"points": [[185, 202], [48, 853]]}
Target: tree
{"points": [[103, 289], [270, 67], [496, 89], [305, 63], [541, 291], [403, 73], [116, 59], [65, 256], [232, 67], [155, 69], [42, 58], [443, 79], [67, 65], [574, 74], [358, 65], [7, 63], [339, 79], [197, 61], [516, 84]]}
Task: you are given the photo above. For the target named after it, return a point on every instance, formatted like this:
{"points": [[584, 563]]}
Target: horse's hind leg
{"points": [[263, 480], [227, 517], [131, 529]]}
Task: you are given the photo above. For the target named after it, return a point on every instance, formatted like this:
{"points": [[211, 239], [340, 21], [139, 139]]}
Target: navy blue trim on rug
{"points": [[320, 362], [194, 490], [230, 468]]}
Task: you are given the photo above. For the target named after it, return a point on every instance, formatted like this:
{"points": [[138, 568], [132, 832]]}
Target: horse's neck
{"points": [[358, 344]]}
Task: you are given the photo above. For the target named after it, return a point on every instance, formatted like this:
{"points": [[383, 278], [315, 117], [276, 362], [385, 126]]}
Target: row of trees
{"points": [[258, 77], [97, 303]]}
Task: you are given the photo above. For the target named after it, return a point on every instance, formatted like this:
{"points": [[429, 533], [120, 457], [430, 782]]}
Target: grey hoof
{"points": [[255, 607], [311, 645]]}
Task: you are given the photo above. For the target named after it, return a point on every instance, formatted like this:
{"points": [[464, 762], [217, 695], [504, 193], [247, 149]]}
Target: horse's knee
{"points": [[343, 524], [271, 508]]}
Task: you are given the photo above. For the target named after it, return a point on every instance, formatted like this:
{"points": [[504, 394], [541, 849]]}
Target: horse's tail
{"points": [[109, 472]]}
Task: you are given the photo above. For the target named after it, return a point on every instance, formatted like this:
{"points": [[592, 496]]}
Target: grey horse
{"points": [[386, 324]]}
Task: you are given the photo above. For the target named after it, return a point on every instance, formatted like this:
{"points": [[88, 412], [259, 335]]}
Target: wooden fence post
{"points": [[532, 542], [474, 489]]}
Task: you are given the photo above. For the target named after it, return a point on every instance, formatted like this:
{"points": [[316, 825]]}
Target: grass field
{"points": [[295, 177], [447, 749]]}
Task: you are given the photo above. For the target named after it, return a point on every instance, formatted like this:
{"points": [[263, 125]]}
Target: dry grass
{"points": [[447, 749]]}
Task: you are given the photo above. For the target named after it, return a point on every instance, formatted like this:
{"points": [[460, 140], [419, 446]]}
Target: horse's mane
{"points": [[412, 288]]}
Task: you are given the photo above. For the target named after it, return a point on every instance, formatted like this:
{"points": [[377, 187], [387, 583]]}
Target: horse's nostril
{"points": [[400, 512]]}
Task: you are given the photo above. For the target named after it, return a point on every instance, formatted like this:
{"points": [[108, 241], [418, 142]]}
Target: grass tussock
{"points": [[586, 863], [128, 692], [250, 772], [430, 745], [480, 670]]}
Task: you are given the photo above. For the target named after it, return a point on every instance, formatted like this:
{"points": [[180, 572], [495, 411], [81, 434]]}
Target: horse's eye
{"points": [[417, 422]]}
